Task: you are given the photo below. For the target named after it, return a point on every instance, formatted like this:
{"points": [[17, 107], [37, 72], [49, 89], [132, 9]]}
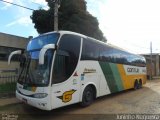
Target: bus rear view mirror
{"points": [[43, 51], [17, 52]]}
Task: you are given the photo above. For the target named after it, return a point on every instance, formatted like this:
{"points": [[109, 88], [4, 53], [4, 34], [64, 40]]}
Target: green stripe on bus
{"points": [[117, 76], [107, 71]]}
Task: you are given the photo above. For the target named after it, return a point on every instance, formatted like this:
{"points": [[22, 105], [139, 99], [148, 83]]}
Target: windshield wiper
{"points": [[28, 61], [22, 65]]}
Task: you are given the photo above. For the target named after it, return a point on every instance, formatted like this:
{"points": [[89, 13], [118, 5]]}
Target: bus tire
{"points": [[88, 96], [136, 85], [140, 83]]}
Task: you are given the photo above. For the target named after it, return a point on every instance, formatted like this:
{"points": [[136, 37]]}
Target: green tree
{"points": [[73, 16]]}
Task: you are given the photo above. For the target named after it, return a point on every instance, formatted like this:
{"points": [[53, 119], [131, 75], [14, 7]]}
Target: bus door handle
{"points": [[57, 92]]}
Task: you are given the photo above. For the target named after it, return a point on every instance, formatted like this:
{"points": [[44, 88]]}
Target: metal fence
{"points": [[8, 79], [4, 79]]}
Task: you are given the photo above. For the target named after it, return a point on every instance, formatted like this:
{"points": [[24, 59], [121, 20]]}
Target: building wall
{"points": [[9, 43], [4, 65], [13, 41], [155, 67]]}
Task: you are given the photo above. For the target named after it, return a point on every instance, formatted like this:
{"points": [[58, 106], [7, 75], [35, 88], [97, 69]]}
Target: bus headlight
{"points": [[40, 95]]}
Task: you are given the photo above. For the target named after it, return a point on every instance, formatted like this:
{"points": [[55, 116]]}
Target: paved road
{"points": [[142, 101]]}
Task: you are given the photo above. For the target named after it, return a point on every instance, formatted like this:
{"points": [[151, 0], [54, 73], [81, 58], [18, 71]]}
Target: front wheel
{"points": [[88, 96]]}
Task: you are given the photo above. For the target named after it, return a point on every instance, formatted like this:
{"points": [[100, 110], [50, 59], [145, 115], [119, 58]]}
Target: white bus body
{"points": [[63, 68]]}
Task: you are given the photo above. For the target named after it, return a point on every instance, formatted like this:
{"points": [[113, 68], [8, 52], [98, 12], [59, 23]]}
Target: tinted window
{"points": [[106, 53], [66, 58], [93, 50], [137, 60], [90, 50], [39, 42]]}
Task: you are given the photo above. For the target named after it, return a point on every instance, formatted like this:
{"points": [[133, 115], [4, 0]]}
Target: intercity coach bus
{"points": [[62, 68]]}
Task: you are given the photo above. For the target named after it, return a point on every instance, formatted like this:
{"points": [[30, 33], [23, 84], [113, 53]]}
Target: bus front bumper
{"points": [[41, 103]]}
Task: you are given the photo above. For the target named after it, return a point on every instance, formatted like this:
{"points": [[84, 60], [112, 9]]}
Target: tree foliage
{"points": [[73, 16]]}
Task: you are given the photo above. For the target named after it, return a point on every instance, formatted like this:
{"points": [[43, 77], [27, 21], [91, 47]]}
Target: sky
{"points": [[129, 24]]}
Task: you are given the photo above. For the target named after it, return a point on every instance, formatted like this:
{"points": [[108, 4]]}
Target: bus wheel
{"points": [[136, 85], [140, 83], [88, 96]]}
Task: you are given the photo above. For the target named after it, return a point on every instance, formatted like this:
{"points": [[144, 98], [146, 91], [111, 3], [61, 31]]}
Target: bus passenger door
{"points": [[65, 87]]}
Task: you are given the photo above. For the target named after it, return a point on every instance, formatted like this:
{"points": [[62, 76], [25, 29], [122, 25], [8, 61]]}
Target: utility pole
{"points": [[151, 61], [56, 6], [56, 16]]}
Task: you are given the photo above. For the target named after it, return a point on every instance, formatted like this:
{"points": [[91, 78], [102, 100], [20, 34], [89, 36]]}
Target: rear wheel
{"points": [[140, 83], [136, 85], [88, 96]]}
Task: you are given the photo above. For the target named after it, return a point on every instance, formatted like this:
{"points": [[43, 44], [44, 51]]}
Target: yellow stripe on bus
{"points": [[128, 80]]}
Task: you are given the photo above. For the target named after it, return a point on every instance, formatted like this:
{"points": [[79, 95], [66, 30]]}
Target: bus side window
{"points": [[90, 50], [105, 54]]}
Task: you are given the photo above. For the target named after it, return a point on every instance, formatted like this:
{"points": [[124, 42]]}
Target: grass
{"points": [[7, 87]]}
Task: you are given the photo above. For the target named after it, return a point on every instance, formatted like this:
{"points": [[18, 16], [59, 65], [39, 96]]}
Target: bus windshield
{"points": [[38, 42], [31, 72]]}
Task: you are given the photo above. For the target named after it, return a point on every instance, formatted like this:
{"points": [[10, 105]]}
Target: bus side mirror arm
{"points": [[17, 52], [43, 51]]}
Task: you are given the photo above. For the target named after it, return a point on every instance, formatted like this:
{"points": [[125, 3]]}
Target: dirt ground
{"points": [[141, 101]]}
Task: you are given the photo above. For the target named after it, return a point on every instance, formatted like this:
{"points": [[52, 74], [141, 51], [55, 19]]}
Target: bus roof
{"points": [[84, 36]]}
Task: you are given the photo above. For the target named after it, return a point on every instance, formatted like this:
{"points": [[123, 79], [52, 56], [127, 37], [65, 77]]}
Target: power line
{"points": [[17, 5]]}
